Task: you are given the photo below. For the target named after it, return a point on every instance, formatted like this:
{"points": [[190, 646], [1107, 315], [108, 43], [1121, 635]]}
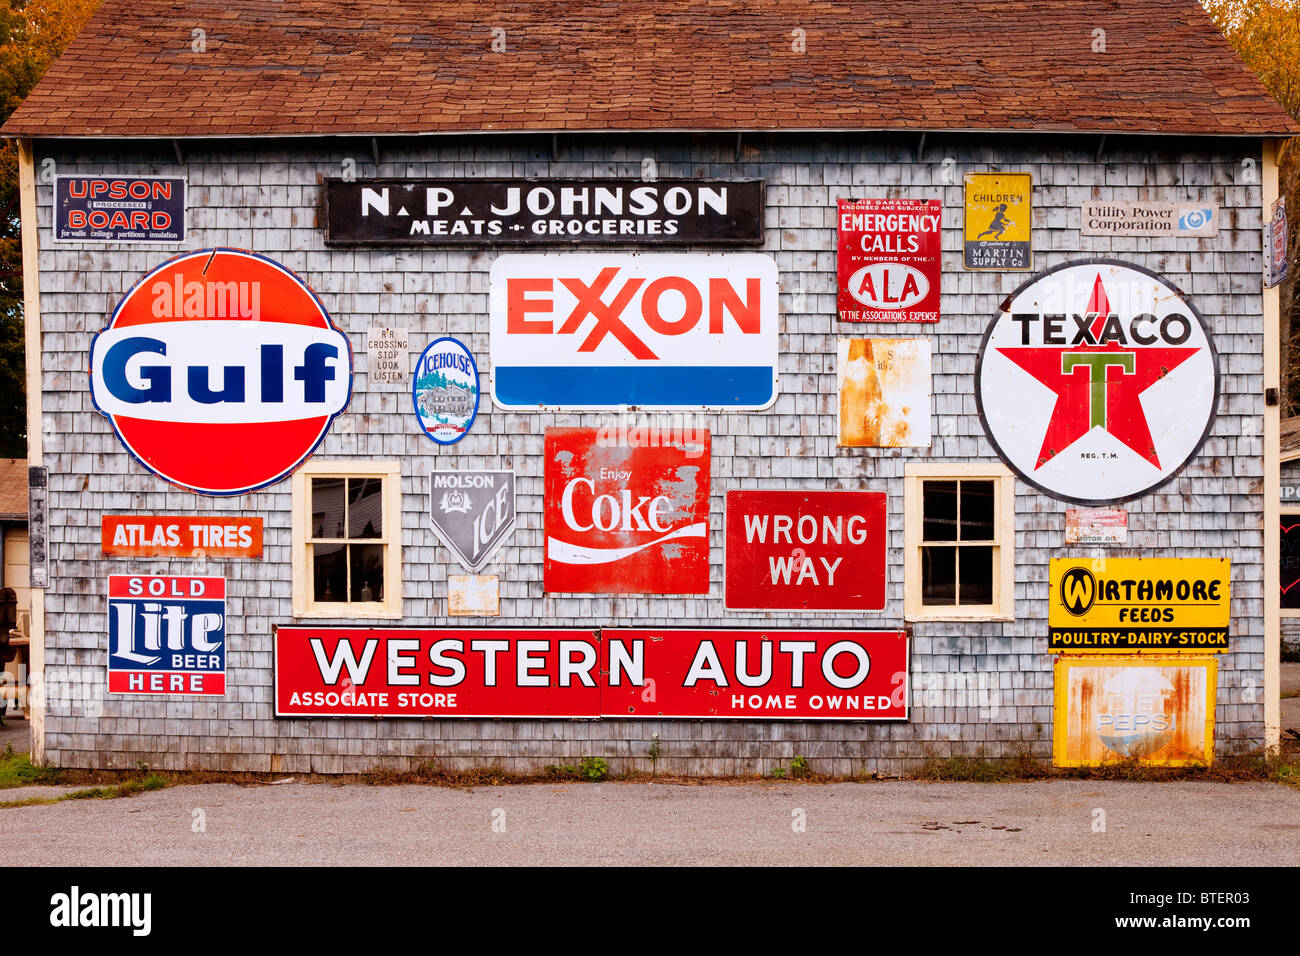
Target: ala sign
{"points": [[220, 371], [1097, 381], [575, 331]]}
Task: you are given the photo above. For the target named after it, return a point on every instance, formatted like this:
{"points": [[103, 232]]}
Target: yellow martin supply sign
{"points": [[999, 221], [1106, 605]]}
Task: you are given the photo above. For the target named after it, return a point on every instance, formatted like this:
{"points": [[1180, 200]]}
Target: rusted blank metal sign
{"points": [[1156, 710]]}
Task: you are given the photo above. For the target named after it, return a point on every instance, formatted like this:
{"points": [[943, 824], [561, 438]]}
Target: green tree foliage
{"points": [[32, 36]]}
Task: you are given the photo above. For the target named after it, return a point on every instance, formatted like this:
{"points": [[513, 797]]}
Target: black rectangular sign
{"points": [[536, 212]]}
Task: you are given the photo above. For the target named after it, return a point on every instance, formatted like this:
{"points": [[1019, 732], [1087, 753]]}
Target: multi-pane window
{"points": [[959, 539], [347, 540]]}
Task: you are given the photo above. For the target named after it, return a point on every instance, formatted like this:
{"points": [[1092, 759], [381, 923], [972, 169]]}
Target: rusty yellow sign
{"points": [[999, 221], [1163, 605], [1158, 711], [884, 393]]}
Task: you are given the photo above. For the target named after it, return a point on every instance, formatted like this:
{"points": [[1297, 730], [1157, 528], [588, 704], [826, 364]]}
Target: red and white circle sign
{"points": [[1097, 381], [221, 371]]}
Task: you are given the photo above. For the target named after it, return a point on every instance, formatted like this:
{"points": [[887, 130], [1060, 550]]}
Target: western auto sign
{"points": [[1097, 381], [626, 519], [166, 635], [1156, 711], [578, 331], [472, 512], [805, 551], [180, 536], [446, 390], [149, 209], [1138, 604], [889, 259], [616, 673], [493, 212], [220, 371]]}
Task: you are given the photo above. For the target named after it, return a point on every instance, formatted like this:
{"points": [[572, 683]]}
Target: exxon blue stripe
{"points": [[717, 386]]}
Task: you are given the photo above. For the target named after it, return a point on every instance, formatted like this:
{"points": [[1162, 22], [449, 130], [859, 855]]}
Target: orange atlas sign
{"points": [[181, 536], [1158, 711]]}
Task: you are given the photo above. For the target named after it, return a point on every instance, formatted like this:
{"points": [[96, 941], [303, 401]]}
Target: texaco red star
{"points": [[1098, 386]]}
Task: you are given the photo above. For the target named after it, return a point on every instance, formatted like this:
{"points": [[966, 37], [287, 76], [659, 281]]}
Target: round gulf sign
{"points": [[220, 371], [1097, 381], [446, 390]]}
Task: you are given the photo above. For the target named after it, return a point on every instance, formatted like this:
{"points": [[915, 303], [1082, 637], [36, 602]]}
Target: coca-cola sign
{"points": [[626, 518]]}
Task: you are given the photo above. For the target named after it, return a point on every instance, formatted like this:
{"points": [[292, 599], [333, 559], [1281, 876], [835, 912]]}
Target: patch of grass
{"points": [[799, 768], [594, 768], [127, 788], [1236, 768], [17, 770]]}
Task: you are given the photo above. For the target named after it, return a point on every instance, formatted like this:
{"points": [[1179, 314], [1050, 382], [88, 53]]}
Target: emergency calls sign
{"points": [[148, 209], [656, 331], [589, 673], [220, 371], [166, 635], [180, 536], [626, 518], [1138, 604], [889, 259], [1097, 381], [805, 551]]}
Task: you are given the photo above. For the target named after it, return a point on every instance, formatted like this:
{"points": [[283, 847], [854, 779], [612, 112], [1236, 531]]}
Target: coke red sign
{"points": [[552, 672], [805, 551], [626, 518]]}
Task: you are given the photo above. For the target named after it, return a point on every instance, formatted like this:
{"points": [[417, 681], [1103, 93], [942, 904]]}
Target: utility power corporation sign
{"points": [[580, 672], [493, 212], [220, 371], [622, 518], [889, 259], [1097, 382], [656, 331], [148, 209], [805, 551], [1138, 604], [166, 635], [472, 512]]}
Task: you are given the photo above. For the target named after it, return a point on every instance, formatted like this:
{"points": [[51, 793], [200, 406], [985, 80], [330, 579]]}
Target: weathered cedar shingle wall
{"points": [[978, 688]]}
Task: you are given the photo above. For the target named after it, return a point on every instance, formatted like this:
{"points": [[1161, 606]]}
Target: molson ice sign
{"points": [[1097, 381], [220, 371], [626, 518], [654, 331]]}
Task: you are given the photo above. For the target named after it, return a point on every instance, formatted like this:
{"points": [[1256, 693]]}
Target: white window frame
{"points": [[304, 605], [1003, 607]]}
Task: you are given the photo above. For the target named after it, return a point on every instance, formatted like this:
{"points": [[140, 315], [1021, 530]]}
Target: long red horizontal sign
{"points": [[581, 672]]}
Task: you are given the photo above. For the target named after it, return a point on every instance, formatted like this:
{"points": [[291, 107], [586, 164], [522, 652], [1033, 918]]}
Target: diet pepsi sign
{"points": [[575, 331], [166, 635], [220, 371], [626, 518], [472, 512]]}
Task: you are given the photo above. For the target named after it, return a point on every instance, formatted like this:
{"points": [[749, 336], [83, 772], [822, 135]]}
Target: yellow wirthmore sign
{"points": [[1105, 605], [999, 221]]}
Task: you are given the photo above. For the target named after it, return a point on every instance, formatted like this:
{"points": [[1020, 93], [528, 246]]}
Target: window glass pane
{"points": [[977, 511], [367, 571], [327, 509], [939, 511], [365, 508], [976, 575], [329, 572], [938, 575]]}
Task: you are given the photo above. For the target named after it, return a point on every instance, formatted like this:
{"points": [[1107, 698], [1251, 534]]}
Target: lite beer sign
{"points": [[1097, 381], [889, 259], [472, 512], [626, 518], [220, 371], [147, 209], [166, 635], [586, 673], [655, 331], [805, 551]]}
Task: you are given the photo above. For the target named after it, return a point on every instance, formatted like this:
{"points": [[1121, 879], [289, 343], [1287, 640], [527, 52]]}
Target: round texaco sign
{"points": [[1097, 381]]}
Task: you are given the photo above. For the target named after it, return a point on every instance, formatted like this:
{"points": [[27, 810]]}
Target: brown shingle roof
{"points": [[13, 488], [378, 67]]}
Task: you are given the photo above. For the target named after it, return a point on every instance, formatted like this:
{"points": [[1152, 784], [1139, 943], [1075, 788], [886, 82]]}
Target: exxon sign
{"points": [[220, 371], [576, 331]]}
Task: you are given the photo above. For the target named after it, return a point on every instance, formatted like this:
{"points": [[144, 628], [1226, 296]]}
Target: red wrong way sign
{"points": [[805, 551]]}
